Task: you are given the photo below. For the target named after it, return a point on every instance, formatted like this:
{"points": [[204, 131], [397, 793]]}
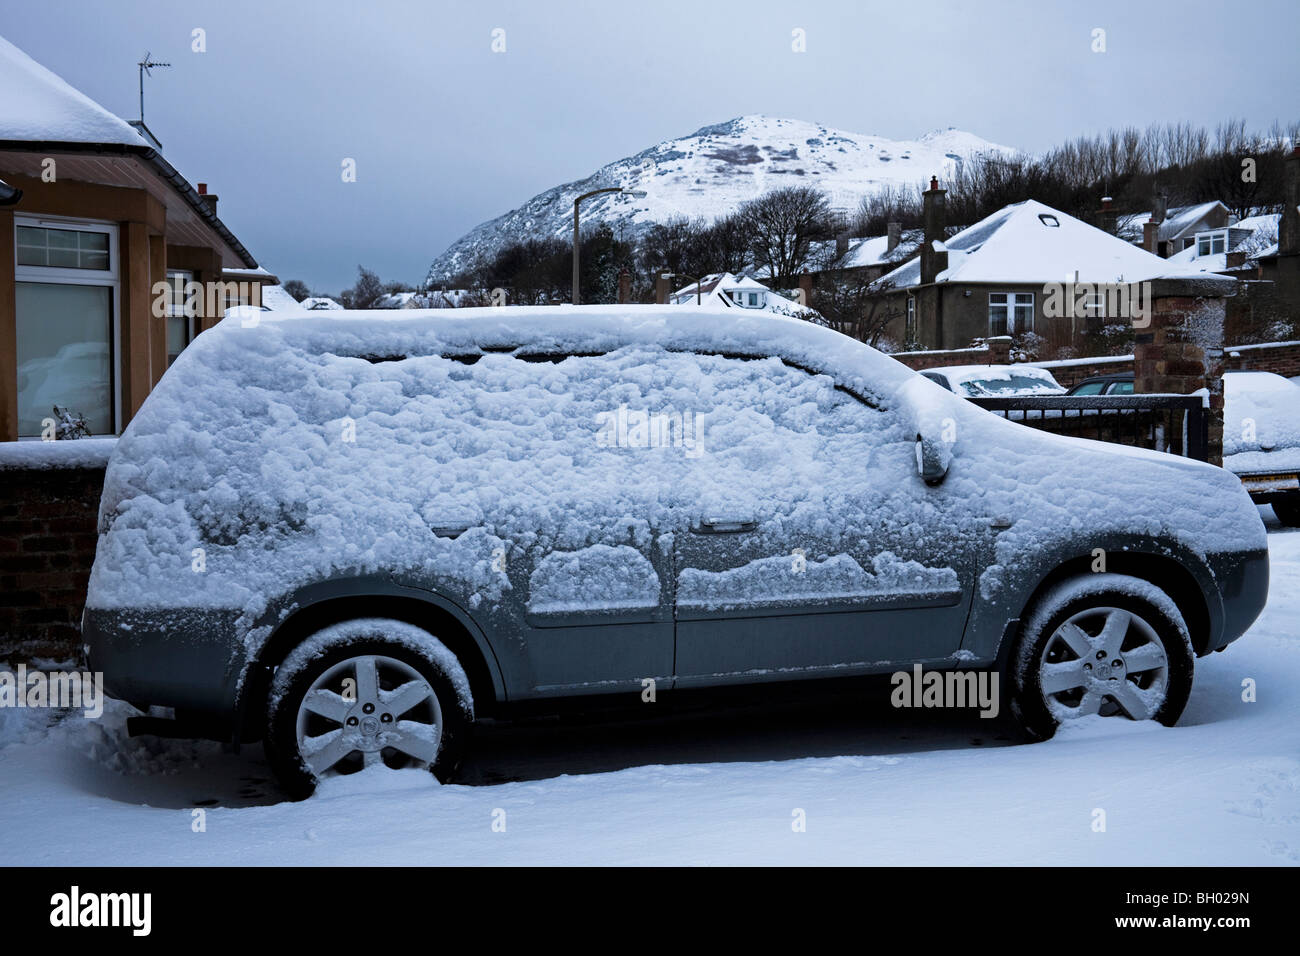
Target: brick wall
{"points": [[1281, 358], [47, 545], [1070, 372], [994, 351]]}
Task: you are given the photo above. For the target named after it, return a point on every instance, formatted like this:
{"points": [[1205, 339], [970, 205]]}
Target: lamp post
{"points": [[637, 193], [698, 282]]}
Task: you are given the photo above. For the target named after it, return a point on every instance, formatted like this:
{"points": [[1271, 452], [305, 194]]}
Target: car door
{"points": [[834, 559]]}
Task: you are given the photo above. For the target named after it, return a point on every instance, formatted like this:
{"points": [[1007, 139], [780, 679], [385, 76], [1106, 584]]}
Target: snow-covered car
{"points": [[1261, 439], [976, 381], [352, 535]]}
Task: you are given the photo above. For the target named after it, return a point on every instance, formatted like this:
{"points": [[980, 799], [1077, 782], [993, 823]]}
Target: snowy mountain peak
{"points": [[712, 171]]}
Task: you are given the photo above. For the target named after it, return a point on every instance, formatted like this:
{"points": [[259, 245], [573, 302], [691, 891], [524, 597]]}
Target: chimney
{"points": [[806, 290], [624, 287], [894, 232], [841, 245], [661, 289], [933, 260], [1109, 219], [1288, 232], [208, 198]]}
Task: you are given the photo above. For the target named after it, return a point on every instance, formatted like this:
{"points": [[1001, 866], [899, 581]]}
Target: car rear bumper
{"points": [[189, 660]]}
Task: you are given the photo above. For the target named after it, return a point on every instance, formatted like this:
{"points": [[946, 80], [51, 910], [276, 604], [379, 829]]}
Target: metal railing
{"points": [[1178, 424]]}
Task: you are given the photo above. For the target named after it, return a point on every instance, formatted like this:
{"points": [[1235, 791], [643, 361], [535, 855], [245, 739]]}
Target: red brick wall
{"points": [[995, 351], [47, 545], [1070, 373], [1281, 358]]}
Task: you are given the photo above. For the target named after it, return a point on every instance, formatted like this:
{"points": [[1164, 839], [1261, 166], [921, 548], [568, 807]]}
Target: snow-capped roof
{"points": [[39, 106], [1179, 220], [274, 297], [715, 291], [1032, 243], [1254, 236], [318, 303]]}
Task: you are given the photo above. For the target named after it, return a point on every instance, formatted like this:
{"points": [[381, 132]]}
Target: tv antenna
{"points": [[146, 66]]}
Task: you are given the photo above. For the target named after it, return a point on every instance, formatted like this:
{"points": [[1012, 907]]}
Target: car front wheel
{"points": [[364, 693], [1106, 645]]}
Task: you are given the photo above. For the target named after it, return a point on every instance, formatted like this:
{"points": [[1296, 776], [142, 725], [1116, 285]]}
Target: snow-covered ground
{"points": [[719, 786]]}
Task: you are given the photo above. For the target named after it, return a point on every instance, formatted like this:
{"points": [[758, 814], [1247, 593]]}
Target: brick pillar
{"points": [[1179, 345], [624, 287], [999, 347]]}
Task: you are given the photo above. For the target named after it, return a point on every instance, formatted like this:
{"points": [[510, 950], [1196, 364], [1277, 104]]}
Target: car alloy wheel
{"points": [[367, 710], [1105, 661]]}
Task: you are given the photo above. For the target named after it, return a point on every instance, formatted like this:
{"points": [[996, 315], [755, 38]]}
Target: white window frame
{"points": [[174, 311], [1209, 239], [58, 275], [1011, 301]]}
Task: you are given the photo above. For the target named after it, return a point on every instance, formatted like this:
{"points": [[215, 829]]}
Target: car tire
{"points": [[408, 704], [1288, 511], [1106, 644]]}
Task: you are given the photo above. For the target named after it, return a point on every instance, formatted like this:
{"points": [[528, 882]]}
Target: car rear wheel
{"points": [[1105, 645], [362, 694], [1288, 511]]}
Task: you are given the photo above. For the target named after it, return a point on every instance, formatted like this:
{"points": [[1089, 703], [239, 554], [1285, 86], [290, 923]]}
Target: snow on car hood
{"points": [[277, 452]]}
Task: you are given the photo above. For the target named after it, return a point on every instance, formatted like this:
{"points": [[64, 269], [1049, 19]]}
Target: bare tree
{"points": [[783, 225]]}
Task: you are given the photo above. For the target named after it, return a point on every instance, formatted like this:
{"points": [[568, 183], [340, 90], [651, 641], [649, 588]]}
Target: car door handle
{"points": [[725, 525], [452, 531]]}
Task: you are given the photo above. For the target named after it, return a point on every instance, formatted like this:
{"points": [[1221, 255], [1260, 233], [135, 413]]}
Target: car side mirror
{"points": [[932, 458]]}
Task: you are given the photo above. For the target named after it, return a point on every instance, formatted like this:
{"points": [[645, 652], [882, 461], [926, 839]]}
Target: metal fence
{"points": [[1178, 424]]}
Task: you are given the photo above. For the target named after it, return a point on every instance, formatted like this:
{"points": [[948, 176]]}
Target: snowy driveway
{"points": [[719, 787]]}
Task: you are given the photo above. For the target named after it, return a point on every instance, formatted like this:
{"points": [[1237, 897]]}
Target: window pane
{"points": [[1122, 388], [62, 248], [177, 336], [64, 354], [1092, 388]]}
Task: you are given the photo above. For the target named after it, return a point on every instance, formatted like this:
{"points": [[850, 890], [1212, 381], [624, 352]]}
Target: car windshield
{"points": [[1011, 385]]}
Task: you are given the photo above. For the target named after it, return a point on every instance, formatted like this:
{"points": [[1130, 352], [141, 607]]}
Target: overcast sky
{"points": [[446, 133]]}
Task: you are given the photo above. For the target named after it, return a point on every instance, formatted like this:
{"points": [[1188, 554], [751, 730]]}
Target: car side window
{"points": [[1092, 388], [1122, 388]]}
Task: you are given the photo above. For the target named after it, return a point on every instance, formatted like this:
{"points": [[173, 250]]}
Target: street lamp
{"points": [[637, 193], [677, 275]]}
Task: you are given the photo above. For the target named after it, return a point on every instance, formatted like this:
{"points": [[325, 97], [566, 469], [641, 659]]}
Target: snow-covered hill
{"points": [[713, 170]]}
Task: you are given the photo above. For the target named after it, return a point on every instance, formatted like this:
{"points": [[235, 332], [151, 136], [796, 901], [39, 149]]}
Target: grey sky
{"points": [[447, 134]]}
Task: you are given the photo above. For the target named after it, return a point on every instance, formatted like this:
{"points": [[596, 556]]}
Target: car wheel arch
{"points": [[1163, 571], [443, 619]]}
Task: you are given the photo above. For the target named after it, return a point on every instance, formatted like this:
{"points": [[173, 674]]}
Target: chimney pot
{"points": [[934, 182], [203, 189]]}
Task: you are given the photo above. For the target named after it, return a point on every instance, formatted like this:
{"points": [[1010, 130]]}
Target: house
{"points": [[1231, 249], [1010, 274], [1165, 232], [110, 260], [732, 291]]}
